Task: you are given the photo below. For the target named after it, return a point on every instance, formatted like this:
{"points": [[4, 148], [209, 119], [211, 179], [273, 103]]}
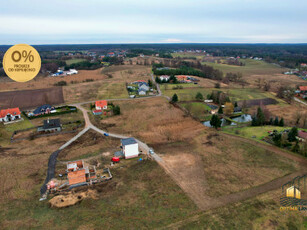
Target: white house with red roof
{"points": [[7, 115], [101, 105]]}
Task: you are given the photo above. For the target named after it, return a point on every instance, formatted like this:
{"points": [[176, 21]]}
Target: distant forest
{"points": [[288, 55]]}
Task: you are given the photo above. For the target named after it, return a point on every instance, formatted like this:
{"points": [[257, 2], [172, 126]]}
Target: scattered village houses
{"points": [[61, 72], [7, 115], [130, 147]]}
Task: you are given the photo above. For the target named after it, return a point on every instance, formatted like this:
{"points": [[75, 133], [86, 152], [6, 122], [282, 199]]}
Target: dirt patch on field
{"points": [[26, 99], [62, 201]]}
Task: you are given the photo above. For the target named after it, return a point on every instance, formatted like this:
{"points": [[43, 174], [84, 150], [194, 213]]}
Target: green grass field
{"points": [[248, 132], [197, 109], [234, 94], [141, 195], [6, 131], [112, 90], [251, 67], [74, 60], [261, 212], [187, 55]]}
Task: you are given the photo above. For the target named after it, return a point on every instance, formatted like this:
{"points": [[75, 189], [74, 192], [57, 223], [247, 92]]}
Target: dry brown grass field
{"points": [[154, 121], [40, 82], [194, 151], [113, 86], [89, 145]]}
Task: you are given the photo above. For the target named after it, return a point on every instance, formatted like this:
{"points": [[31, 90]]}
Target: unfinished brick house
{"points": [[78, 174]]}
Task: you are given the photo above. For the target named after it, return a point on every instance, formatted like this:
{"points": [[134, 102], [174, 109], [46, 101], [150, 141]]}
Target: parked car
{"points": [[151, 151], [106, 134]]}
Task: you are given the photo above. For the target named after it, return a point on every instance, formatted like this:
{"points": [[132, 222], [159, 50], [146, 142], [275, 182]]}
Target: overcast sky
{"points": [[158, 21]]}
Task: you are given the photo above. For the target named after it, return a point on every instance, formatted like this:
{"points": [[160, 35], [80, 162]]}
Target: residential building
{"points": [[303, 91], [101, 105], [164, 77], [142, 92], [7, 115], [130, 147], [144, 86], [43, 109], [50, 125], [78, 174]]}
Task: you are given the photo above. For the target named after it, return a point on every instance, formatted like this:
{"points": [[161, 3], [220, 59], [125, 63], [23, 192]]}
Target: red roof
{"points": [[303, 88], [76, 177], [182, 77], [302, 134], [101, 104], [14, 112]]}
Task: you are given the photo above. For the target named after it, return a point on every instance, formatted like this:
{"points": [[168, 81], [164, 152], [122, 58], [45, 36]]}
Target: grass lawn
{"points": [[64, 118], [197, 109], [261, 212], [252, 67], [234, 94], [139, 196], [187, 55], [111, 90], [74, 60], [6, 131], [250, 131]]}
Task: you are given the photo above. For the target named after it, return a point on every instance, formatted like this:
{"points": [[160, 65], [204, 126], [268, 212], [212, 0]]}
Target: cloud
{"points": [[172, 40]]}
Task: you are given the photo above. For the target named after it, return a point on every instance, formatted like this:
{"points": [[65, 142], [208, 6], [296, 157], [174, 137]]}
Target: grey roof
{"points": [[237, 109], [51, 124], [128, 141], [141, 89]]}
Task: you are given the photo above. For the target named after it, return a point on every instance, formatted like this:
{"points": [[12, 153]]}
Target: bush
{"points": [[60, 83]]}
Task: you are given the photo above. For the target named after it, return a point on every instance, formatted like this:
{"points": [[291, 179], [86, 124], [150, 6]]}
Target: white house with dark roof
{"points": [[130, 147]]}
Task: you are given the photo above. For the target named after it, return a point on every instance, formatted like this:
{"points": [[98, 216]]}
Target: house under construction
{"points": [[78, 174]]}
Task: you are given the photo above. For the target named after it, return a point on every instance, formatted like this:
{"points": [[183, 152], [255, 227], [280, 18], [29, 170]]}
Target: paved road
{"points": [[300, 101], [88, 125], [50, 171]]}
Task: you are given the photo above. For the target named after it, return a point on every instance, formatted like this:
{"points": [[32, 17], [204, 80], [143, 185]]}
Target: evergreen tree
{"points": [[116, 110], [174, 98], [296, 147], [215, 121], [158, 80], [254, 121], [149, 83], [220, 111], [281, 122], [292, 134], [260, 117], [236, 104], [199, 96], [276, 123], [271, 121]]}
